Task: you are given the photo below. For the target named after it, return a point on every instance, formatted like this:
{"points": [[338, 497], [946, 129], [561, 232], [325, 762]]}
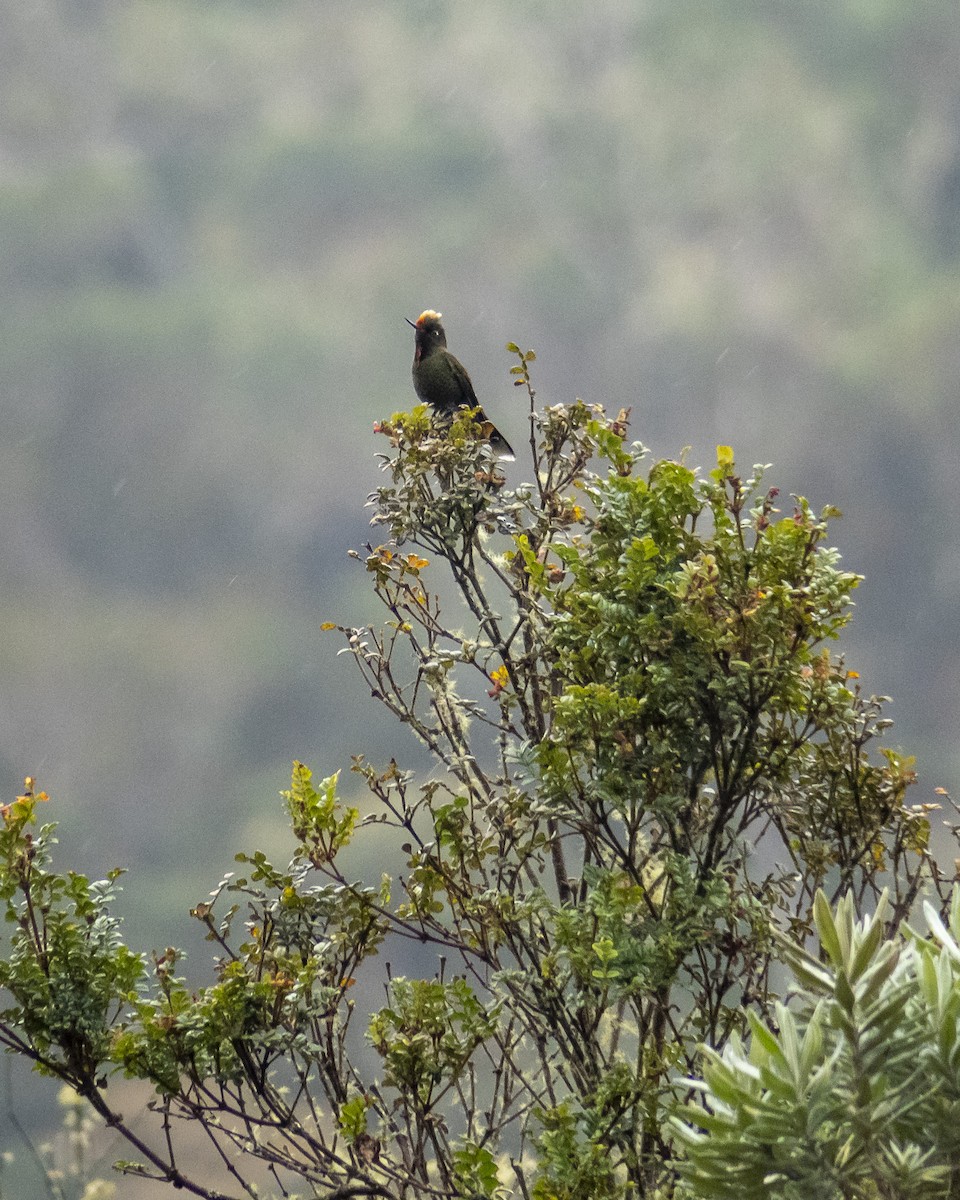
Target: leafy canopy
{"points": [[646, 758]]}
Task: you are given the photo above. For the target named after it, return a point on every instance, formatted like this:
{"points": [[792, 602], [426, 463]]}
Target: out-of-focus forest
{"points": [[742, 220]]}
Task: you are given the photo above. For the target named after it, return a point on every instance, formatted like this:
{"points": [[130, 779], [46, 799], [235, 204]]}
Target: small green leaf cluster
{"points": [[321, 825], [475, 1171], [440, 474], [66, 968], [576, 1163], [427, 1034], [282, 993]]}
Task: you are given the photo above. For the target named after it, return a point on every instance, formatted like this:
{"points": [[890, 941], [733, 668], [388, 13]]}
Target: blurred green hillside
{"points": [[740, 219]]}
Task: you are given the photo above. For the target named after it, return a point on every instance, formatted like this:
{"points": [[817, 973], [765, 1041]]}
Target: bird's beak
{"points": [[412, 324]]}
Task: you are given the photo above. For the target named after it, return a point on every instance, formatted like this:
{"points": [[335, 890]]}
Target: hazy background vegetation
{"points": [[742, 219]]}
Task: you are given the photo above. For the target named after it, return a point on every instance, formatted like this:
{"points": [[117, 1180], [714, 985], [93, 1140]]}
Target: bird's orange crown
{"points": [[428, 317]]}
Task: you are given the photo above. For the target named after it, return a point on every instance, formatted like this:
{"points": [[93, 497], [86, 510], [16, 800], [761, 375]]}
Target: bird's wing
{"points": [[467, 395]]}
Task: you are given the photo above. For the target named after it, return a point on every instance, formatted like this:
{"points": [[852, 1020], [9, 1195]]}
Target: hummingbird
{"points": [[441, 380]]}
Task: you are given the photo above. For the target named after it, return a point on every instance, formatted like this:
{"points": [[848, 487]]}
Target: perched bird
{"points": [[441, 380]]}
